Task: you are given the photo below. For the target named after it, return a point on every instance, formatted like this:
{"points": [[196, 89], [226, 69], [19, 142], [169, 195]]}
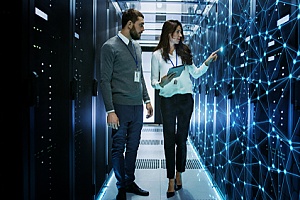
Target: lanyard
{"points": [[172, 62], [134, 58], [175, 81]]}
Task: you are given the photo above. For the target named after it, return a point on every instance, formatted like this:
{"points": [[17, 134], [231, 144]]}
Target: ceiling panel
{"points": [[156, 12]]}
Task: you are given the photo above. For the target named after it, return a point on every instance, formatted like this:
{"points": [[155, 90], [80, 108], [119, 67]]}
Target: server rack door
{"points": [[107, 20], [45, 56], [83, 54]]}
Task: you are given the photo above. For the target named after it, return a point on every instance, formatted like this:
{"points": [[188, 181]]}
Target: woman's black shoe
{"points": [[170, 194], [177, 187]]}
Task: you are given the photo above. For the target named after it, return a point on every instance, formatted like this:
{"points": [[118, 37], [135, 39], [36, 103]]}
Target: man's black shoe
{"points": [[121, 194], [134, 188]]}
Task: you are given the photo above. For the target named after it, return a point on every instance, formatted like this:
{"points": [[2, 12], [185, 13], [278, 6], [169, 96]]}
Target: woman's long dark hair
{"points": [[182, 49]]}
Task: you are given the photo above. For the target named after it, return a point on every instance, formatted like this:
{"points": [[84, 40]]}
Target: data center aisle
{"points": [[151, 173]]}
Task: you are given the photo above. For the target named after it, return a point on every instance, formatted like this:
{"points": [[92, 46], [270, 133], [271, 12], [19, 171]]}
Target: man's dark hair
{"points": [[130, 14]]}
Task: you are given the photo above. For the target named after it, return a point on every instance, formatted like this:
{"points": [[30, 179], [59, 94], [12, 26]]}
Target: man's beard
{"points": [[134, 35]]}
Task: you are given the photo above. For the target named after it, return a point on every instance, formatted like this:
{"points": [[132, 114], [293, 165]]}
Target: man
{"points": [[124, 93]]}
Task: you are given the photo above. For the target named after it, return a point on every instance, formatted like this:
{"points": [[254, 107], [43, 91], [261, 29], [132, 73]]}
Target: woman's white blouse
{"points": [[159, 68]]}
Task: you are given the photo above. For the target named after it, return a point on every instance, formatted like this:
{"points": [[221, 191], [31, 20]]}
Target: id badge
{"points": [[137, 75]]}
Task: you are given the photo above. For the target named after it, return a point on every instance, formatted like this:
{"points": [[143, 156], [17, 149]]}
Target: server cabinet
{"points": [[108, 22], [47, 163], [82, 66], [57, 108], [255, 153]]}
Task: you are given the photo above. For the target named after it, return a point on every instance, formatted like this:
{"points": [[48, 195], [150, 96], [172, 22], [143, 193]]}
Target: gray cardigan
{"points": [[117, 74]]}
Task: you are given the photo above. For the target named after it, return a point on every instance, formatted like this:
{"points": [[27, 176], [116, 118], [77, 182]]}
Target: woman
{"points": [[176, 96]]}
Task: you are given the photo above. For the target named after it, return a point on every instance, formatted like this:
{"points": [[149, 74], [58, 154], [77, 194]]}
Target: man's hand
{"points": [[113, 120], [149, 109]]}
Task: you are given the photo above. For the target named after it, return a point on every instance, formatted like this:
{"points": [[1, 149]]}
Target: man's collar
{"points": [[125, 39]]}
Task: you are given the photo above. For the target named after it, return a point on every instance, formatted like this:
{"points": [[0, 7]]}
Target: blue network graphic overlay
{"points": [[246, 120]]}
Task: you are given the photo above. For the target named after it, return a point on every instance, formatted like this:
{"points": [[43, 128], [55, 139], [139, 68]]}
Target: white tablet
{"points": [[178, 70]]}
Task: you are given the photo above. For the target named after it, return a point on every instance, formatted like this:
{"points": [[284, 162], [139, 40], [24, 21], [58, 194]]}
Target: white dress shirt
{"points": [[159, 68]]}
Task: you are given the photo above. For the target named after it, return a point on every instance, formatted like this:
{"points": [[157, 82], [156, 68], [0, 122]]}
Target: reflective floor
{"points": [[151, 173]]}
